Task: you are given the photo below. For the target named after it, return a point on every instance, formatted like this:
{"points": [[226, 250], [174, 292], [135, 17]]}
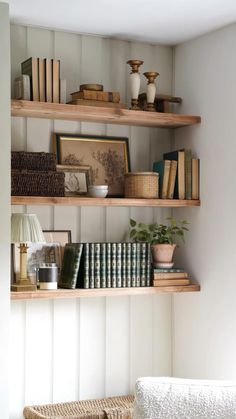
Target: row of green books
{"points": [[178, 175], [106, 265]]}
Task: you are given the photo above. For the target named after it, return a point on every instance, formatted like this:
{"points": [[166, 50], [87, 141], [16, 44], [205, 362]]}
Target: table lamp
{"points": [[25, 228]]}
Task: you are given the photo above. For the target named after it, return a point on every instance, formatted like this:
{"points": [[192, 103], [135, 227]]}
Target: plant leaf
{"points": [[132, 222]]}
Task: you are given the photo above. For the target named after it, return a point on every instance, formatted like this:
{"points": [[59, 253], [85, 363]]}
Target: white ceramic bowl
{"points": [[98, 191]]}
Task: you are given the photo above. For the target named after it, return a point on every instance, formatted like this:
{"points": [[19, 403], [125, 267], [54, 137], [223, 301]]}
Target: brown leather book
{"points": [[96, 95]]}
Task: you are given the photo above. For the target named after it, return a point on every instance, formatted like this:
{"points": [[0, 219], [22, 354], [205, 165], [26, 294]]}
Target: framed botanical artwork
{"points": [[108, 157], [58, 236], [77, 179], [37, 253]]}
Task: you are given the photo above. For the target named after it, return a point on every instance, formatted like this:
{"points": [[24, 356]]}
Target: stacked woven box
{"points": [[34, 174]]}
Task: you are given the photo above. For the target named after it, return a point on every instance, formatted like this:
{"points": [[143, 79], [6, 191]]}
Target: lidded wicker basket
{"points": [[141, 185]]}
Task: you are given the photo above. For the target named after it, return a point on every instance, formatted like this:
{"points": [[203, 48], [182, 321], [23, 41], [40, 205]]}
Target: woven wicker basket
{"points": [[141, 185], [32, 183], [109, 408], [25, 160]]}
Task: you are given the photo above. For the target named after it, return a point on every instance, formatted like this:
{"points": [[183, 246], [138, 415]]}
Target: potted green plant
{"points": [[163, 238]]}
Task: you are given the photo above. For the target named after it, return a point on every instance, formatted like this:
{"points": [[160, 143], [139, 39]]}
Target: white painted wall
{"points": [[204, 323], [4, 206], [75, 349]]}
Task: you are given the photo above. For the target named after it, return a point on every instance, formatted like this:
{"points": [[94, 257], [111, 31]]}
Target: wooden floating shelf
{"points": [[105, 115], [103, 202], [102, 292]]}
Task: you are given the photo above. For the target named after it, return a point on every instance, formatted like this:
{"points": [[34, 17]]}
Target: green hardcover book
{"points": [[123, 259], [188, 174], [163, 168], [70, 265], [103, 265], [108, 267], [118, 265], [128, 264], [113, 265], [91, 265], [164, 270], [97, 265], [86, 265], [133, 263], [148, 265], [138, 252], [143, 256]]}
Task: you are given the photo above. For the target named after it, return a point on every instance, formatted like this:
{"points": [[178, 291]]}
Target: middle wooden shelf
{"points": [[104, 202]]}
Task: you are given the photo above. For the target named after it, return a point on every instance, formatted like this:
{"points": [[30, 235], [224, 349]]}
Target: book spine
{"points": [[103, 265], [94, 95], [128, 264], [133, 264], [195, 178], [113, 265], [70, 265], [165, 270], [91, 263], [188, 174], [118, 265], [148, 265], [143, 264], [108, 265], [123, 261], [97, 265], [138, 252], [86, 266], [170, 275]]}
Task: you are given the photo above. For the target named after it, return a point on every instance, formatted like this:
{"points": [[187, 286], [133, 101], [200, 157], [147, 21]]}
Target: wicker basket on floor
{"points": [[108, 408], [141, 185]]}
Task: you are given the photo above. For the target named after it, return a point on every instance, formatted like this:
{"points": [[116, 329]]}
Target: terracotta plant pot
{"points": [[162, 253]]}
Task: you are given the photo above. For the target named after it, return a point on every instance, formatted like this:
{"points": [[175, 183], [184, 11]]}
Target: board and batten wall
{"points": [[5, 136], [84, 348], [204, 335]]}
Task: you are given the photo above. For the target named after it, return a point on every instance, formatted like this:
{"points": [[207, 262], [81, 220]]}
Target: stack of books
{"points": [[169, 277], [178, 175], [106, 265], [44, 76], [90, 97]]}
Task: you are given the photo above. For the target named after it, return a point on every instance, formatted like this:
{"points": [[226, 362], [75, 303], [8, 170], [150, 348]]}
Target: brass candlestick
{"points": [[151, 89], [134, 82]]}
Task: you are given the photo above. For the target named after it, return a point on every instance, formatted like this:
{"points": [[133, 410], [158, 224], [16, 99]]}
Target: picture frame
{"points": [[77, 179], [37, 253], [58, 236], [108, 157]]}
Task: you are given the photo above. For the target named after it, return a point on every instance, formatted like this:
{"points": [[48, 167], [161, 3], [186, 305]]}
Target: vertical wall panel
{"points": [[65, 350], [141, 338], [117, 346], [17, 355], [69, 59], [107, 342], [38, 352], [92, 348], [4, 206]]}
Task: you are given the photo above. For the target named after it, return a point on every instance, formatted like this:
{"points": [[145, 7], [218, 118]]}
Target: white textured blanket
{"points": [[172, 398]]}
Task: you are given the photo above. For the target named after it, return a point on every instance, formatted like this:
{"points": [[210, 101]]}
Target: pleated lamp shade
{"points": [[26, 228]]}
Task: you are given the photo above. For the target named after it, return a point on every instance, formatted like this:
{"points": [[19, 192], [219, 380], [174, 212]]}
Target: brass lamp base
{"points": [[24, 285]]}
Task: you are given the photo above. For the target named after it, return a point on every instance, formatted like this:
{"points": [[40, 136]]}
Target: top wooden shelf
{"points": [[46, 110]]}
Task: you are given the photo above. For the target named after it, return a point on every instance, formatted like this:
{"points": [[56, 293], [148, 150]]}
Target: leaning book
{"points": [[70, 265]]}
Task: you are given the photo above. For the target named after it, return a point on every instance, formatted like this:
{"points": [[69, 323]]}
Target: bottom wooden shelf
{"points": [[102, 292]]}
